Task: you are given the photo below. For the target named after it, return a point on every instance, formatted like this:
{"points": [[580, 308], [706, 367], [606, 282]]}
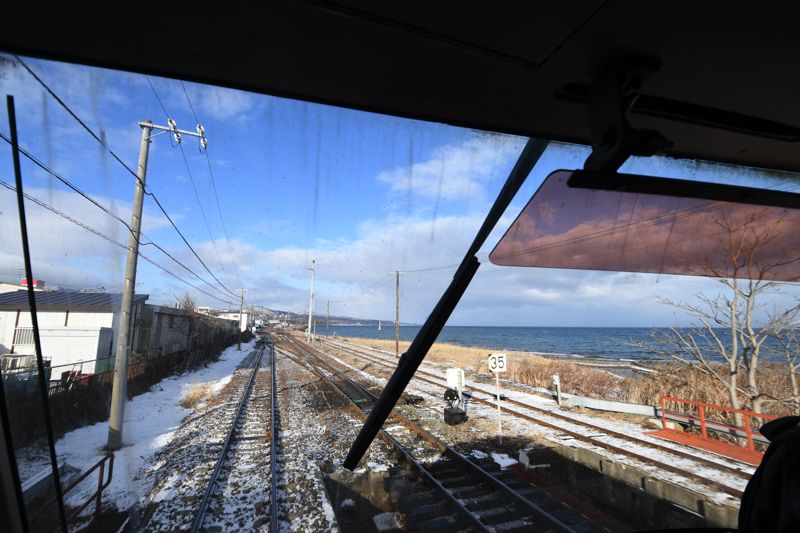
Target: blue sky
{"points": [[365, 194]]}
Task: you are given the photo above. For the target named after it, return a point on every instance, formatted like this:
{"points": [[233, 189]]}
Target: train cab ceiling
{"points": [[718, 80]]}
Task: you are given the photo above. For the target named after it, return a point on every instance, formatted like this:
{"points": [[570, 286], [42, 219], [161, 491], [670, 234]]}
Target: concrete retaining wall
{"points": [[661, 494]]}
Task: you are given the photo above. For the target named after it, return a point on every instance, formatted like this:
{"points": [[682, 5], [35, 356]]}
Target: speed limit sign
{"points": [[497, 362]]}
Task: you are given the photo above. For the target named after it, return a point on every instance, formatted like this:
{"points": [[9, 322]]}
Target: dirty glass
{"points": [[341, 229]]}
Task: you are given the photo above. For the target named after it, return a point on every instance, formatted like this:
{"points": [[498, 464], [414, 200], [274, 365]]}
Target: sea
{"points": [[618, 343]]}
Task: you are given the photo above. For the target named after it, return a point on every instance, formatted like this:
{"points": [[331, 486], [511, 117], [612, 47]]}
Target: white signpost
{"points": [[497, 363], [557, 383]]}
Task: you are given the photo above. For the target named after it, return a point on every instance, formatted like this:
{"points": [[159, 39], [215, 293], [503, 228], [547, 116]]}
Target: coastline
{"points": [[445, 352]]}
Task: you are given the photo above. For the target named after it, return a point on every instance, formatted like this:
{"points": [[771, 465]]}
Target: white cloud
{"points": [[456, 172], [61, 252], [357, 277], [221, 103]]}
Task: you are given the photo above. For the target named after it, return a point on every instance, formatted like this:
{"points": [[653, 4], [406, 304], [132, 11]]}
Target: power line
{"points": [[104, 209], [221, 217], [157, 97], [109, 239], [430, 269], [104, 145], [214, 188], [191, 180], [190, 246], [65, 181], [183, 86], [202, 211], [76, 117]]}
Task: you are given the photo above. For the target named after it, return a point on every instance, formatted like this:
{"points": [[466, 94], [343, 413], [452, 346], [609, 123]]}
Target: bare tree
{"points": [[728, 340], [188, 303], [189, 324], [790, 346]]}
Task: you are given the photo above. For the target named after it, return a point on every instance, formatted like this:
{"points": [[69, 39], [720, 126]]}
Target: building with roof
{"points": [[77, 329], [244, 318], [6, 286]]}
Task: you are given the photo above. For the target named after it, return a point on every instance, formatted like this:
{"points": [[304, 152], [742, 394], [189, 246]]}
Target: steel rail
{"points": [[407, 457], [590, 440], [432, 439], [201, 513], [273, 505], [610, 432]]}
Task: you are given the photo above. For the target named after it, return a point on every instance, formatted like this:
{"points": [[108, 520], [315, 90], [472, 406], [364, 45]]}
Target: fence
{"points": [[86, 399], [697, 418]]}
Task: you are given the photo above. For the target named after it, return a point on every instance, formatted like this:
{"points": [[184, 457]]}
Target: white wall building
{"points": [[243, 319], [75, 328], [9, 287]]}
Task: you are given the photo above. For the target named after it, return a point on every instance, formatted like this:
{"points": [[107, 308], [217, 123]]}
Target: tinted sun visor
{"points": [[629, 223]]}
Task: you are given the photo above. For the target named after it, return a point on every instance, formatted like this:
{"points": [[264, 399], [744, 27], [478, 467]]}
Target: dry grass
{"points": [[197, 394], [524, 368], [575, 379], [464, 357], [671, 379]]}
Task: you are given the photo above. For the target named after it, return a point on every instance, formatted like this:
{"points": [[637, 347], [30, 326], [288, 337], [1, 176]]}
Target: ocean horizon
{"points": [[614, 343]]}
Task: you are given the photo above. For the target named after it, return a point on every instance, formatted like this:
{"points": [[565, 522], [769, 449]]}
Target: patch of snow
{"points": [[479, 454], [503, 460], [347, 503], [327, 508], [220, 384], [149, 424], [377, 467], [167, 491], [386, 521]]}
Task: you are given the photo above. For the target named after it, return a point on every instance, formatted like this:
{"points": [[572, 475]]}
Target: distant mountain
{"points": [[333, 320]]}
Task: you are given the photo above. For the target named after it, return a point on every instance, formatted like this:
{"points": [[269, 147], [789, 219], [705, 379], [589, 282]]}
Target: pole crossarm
{"points": [[200, 133]]}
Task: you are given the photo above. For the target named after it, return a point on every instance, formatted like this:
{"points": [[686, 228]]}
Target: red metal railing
{"points": [[746, 431]]}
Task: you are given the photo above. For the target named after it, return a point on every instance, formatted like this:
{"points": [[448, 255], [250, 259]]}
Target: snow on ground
{"points": [[503, 460], [517, 427], [150, 421], [315, 431]]}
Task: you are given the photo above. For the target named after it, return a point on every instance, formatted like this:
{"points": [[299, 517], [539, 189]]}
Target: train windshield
{"points": [[224, 283]]}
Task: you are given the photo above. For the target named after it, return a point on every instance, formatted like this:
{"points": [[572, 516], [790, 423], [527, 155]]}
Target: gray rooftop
{"points": [[96, 301]]}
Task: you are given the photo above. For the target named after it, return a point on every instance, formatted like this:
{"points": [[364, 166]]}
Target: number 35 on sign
{"points": [[497, 362]]}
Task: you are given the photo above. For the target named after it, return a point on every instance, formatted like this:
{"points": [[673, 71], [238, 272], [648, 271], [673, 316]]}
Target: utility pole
{"points": [[397, 314], [313, 270], [328, 319], [119, 391], [241, 304], [120, 384]]}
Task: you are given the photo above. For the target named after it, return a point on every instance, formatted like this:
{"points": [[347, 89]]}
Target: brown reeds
{"points": [[195, 395], [671, 378]]}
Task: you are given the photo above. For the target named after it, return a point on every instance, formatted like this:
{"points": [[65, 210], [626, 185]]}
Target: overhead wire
{"points": [[191, 180], [104, 209], [108, 238], [214, 188], [129, 169]]}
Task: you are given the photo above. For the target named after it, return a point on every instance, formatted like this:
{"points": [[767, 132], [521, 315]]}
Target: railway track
{"points": [[682, 463], [442, 488], [236, 496]]}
